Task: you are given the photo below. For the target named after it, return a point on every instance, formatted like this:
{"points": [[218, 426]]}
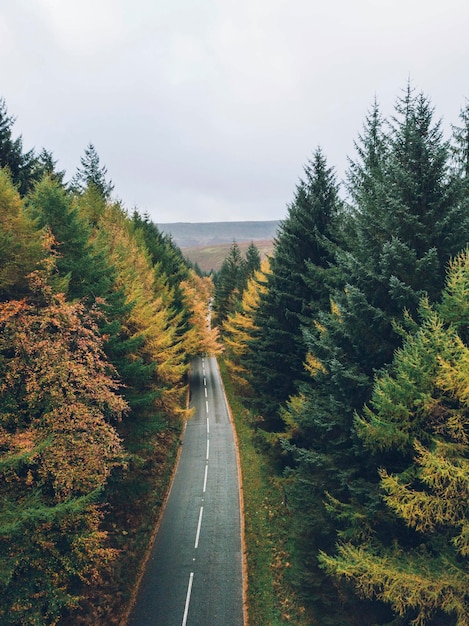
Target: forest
{"points": [[348, 347], [349, 350], [100, 316]]}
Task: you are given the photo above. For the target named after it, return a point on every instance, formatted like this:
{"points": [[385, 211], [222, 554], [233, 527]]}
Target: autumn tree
{"points": [[20, 246], [202, 337], [238, 328], [58, 403]]}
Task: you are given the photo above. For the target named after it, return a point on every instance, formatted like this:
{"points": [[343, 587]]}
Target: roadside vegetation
{"points": [[100, 316], [270, 597], [349, 352]]}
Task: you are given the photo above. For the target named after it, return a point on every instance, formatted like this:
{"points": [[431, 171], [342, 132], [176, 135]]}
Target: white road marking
{"points": [[208, 448], [199, 525], [206, 405], [205, 479], [205, 381], [208, 425], [188, 599], [205, 389]]}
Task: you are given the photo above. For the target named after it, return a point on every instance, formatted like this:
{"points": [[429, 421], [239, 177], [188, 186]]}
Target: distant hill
{"points": [[211, 257], [194, 234]]}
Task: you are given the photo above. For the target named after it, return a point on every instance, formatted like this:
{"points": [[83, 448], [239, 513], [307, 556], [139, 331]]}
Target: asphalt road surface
{"points": [[194, 576]]}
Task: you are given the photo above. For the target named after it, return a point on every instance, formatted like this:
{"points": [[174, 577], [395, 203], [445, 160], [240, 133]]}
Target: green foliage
{"points": [[407, 216], [23, 166], [419, 410], [296, 286], [20, 241], [92, 174]]}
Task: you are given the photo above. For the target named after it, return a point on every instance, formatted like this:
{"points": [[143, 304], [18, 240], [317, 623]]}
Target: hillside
{"points": [[195, 234], [211, 257]]}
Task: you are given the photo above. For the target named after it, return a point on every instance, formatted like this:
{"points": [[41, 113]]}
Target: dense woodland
{"points": [[100, 316], [350, 347]]}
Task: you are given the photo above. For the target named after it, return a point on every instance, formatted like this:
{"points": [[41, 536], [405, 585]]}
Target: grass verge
{"points": [[271, 599]]}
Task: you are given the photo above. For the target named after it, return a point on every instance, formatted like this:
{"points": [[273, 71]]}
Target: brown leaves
{"points": [[56, 373]]}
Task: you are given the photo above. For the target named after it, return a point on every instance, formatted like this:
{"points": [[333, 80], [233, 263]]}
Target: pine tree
{"points": [[403, 227], [229, 283], [92, 174], [21, 165], [303, 253], [419, 411], [87, 271], [251, 264]]}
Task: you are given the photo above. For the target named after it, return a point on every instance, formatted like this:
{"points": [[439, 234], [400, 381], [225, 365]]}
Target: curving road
{"points": [[194, 573]]}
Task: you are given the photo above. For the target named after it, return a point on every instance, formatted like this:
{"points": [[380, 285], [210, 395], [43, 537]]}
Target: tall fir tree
{"points": [[405, 224], [229, 283], [296, 286], [92, 174], [21, 165], [20, 241]]}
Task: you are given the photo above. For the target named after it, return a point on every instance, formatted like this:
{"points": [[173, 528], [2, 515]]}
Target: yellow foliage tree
{"points": [[202, 338], [239, 327], [20, 244], [151, 317]]}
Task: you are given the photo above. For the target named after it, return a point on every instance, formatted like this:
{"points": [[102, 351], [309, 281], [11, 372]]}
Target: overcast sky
{"points": [[207, 110]]}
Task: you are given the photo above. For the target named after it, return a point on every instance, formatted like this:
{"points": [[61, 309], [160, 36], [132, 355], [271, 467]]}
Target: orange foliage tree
{"points": [[58, 402]]}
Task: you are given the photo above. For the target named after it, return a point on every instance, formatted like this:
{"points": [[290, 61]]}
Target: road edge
{"points": [[241, 504], [143, 566]]}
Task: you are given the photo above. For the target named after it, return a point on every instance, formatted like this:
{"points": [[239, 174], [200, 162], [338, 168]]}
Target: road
{"points": [[194, 575]]}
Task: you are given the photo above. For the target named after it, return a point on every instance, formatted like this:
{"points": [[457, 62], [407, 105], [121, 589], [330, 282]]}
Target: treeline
{"points": [[352, 352], [99, 318]]}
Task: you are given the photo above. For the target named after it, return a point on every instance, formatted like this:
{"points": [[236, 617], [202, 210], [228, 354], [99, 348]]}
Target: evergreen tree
{"points": [[92, 174], [403, 228], [46, 165], [87, 271], [21, 165], [461, 144], [251, 264], [229, 283], [419, 411], [296, 286]]}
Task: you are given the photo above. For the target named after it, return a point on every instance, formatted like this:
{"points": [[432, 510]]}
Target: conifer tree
{"points": [[21, 165], [20, 244], [229, 283], [419, 411], [296, 286], [201, 337], [239, 328], [87, 271], [92, 174], [403, 228]]}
